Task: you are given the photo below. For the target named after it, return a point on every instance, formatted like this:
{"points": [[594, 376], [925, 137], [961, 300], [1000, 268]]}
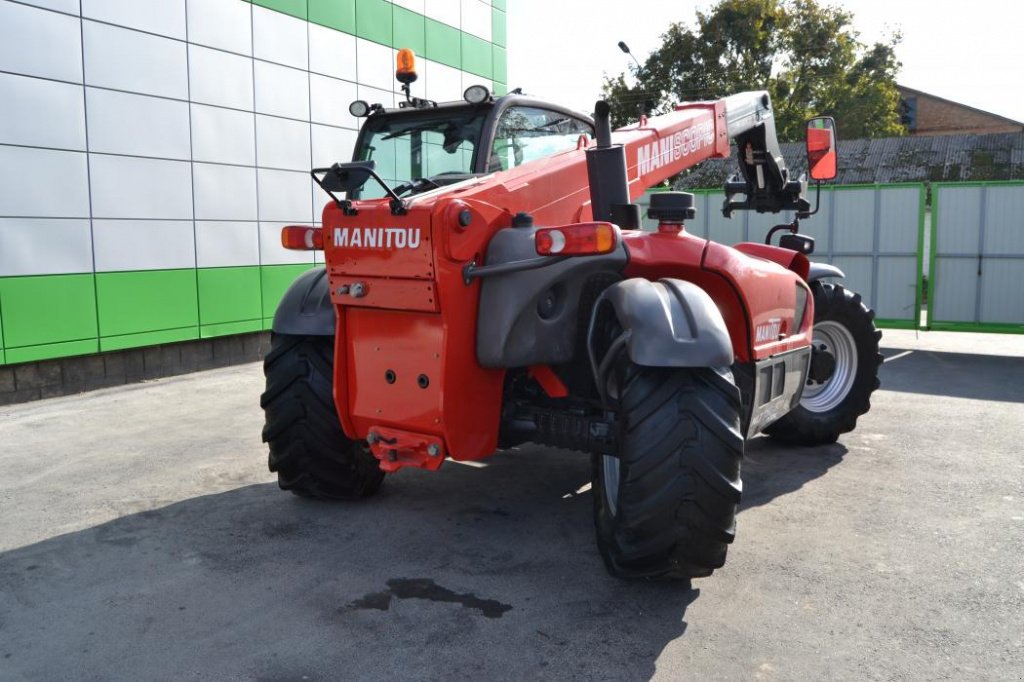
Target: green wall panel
{"points": [[498, 27], [207, 331], [444, 43], [500, 4], [373, 21], [410, 30], [47, 309], [337, 14], [145, 302], [296, 8], [50, 350], [499, 88], [476, 56], [500, 64], [123, 341], [229, 295], [275, 280]]}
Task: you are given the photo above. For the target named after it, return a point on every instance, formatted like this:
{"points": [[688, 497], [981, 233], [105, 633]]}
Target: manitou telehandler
{"points": [[487, 283]]}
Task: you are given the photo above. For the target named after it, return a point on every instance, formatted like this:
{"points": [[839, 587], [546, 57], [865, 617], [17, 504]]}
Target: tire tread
{"points": [[680, 476], [309, 451]]}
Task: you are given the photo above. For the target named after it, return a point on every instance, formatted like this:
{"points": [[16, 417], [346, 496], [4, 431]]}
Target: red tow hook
{"points": [[395, 449]]}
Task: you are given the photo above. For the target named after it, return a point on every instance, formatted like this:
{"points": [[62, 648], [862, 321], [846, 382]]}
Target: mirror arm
{"points": [[344, 204], [817, 204], [398, 206]]}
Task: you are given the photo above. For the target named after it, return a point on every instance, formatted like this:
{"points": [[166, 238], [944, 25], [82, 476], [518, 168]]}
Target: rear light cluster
{"points": [[580, 239], [302, 238]]}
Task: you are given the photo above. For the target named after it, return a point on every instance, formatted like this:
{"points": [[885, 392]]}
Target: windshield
{"points": [[406, 149]]}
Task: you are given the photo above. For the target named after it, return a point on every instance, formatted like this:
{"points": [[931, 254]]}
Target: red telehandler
{"points": [[487, 283]]}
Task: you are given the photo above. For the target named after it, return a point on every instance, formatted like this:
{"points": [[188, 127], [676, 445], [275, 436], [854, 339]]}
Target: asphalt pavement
{"points": [[142, 538]]}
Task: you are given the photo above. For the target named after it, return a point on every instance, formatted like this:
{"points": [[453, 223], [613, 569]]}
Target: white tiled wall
{"points": [[224, 24], [152, 134], [284, 195], [133, 187], [282, 143], [123, 245], [138, 125], [66, 6], [23, 98], [332, 53], [476, 18], [24, 30], [223, 243], [123, 59], [281, 90], [220, 78], [223, 135], [152, 16], [28, 188], [224, 192], [445, 11], [69, 250], [279, 38]]}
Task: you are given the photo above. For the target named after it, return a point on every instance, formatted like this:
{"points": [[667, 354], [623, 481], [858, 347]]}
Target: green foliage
{"points": [[806, 55]]}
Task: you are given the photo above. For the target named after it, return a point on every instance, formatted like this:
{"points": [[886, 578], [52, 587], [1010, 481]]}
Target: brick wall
{"points": [[66, 376], [936, 116]]}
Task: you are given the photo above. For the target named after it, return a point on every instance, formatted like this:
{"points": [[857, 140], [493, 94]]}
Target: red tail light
{"points": [[581, 239], [302, 238]]}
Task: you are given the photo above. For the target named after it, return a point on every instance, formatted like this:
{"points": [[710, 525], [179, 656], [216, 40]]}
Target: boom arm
{"points": [[661, 147]]}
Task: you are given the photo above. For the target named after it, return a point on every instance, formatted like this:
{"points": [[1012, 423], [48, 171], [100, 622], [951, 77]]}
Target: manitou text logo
{"points": [[377, 237], [769, 331], [662, 152]]}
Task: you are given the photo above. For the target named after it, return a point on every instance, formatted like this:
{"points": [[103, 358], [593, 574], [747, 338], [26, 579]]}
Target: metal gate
{"points": [[977, 257], [874, 233]]}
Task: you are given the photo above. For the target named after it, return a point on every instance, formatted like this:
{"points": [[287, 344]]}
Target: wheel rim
{"points": [[610, 476], [838, 341]]}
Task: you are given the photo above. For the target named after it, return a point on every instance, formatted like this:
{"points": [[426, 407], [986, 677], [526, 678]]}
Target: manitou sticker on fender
{"points": [[672, 148], [377, 237], [768, 331]]}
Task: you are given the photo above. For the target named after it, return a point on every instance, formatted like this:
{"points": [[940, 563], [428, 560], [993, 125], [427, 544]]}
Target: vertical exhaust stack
{"points": [[606, 172]]}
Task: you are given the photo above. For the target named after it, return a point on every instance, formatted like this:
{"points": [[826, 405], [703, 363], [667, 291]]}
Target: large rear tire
{"points": [[308, 448], [844, 327], [665, 508]]}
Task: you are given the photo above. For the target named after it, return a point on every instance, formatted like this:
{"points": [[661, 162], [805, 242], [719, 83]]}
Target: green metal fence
{"points": [[976, 260], [874, 233]]}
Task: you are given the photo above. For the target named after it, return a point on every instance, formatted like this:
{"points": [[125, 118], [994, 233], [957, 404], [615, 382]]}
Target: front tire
{"points": [[665, 508], [846, 329], [308, 448]]}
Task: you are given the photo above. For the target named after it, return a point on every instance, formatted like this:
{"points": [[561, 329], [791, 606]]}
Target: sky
{"points": [[968, 52]]}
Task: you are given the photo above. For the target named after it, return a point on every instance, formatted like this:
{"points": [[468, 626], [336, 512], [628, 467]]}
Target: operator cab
{"points": [[423, 145]]}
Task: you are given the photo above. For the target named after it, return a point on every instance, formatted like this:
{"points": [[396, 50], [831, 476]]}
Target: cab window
{"points": [[527, 133]]}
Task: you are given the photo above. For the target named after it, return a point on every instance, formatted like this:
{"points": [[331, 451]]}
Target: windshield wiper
{"points": [[535, 129], [428, 127], [417, 185]]}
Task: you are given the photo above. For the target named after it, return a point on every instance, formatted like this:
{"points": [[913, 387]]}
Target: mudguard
{"points": [[511, 332], [822, 270], [668, 323], [305, 308]]}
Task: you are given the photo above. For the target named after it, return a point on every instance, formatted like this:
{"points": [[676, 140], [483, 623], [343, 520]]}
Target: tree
{"points": [[806, 55]]}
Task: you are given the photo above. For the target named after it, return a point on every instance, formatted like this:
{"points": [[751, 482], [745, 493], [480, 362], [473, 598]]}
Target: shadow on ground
{"points": [[488, 573], [958, 375]]}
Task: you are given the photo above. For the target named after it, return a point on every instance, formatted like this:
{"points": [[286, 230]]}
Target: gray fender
{"points": [[306, 309], [822, 270], [668, 323]]}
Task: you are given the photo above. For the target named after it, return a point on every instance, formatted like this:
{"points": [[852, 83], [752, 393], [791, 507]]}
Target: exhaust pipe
{"points": [[606, 173]]}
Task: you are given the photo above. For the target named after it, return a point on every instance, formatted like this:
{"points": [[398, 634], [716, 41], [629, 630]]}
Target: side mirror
{"points": [[822, 150], [347, 177]]}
